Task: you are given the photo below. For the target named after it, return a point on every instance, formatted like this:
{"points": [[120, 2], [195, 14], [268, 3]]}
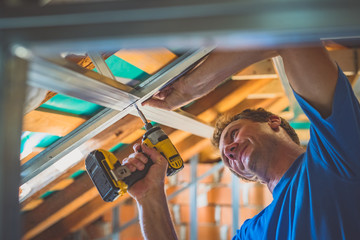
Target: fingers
{"points": [[159, 99], [156, 103], [136, 161], [137, 147], [161, 95]]}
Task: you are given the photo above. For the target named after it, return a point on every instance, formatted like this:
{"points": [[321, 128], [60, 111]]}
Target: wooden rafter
{"points": [[51, 122]]}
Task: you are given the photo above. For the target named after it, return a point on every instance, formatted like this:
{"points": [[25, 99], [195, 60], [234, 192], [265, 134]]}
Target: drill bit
{"points": [[143, 118]]}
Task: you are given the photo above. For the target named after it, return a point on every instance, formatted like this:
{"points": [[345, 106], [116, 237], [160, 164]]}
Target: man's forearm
{"points": [[217, 67], [155, 219], [220, 65]]}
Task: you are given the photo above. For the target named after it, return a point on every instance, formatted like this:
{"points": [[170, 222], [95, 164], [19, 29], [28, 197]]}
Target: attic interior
{"points": [[78, 90]]}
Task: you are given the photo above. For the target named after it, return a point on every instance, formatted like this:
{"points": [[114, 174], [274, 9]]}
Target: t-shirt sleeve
{"points": [[336, 139]]}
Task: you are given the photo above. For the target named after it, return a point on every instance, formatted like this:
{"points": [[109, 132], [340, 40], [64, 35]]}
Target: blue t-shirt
{"points": [[319, 196]]}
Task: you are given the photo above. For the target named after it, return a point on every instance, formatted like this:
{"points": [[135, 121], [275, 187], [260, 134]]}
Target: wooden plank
{"points": [[32, 205], [62, 184], [58, 206], [85, 61], [224, 98], [259, 70], [304, 135], [148, 60], [35, 151], [192, 145], [271, 90], [138, 133], [177, 136], [210, 100], [239, 95], [49, 95], [64, 176], [52, 122], [80, 218], [36, 202], [209, 155], [115, 133], [279, 105]]}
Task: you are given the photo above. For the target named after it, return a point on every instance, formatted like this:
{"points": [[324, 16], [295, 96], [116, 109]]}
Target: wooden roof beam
{"points": [[58, 206], [51, 122]]}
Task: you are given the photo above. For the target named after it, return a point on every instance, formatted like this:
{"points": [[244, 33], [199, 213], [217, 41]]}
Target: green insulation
{"points": [[117, 147], [121, 68], [47, 194], [77, 174], [300, 125], [72, 105]]}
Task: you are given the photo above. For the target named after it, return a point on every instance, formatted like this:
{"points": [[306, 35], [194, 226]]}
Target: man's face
{"points": [[245, 147]]}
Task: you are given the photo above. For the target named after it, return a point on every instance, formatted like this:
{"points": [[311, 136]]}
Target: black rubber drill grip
{"points": [[138, 174]]}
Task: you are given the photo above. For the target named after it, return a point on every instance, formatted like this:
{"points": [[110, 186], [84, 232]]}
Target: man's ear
{"points": [[274, 122]]}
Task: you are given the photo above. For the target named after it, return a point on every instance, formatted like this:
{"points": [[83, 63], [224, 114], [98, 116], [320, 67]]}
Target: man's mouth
{"points": [[242, 155]]}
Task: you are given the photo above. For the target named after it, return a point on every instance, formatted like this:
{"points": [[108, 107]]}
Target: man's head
{"points": [[248, 133]]}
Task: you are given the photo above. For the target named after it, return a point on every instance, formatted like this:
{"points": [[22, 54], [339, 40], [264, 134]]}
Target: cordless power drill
{"points": [[113, 179]]}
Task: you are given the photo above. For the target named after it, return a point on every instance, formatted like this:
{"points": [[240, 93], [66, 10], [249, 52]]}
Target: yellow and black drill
{"points": [[113, 179]]}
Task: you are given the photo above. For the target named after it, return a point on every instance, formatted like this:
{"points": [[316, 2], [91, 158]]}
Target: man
{"points": [[316, 191]]}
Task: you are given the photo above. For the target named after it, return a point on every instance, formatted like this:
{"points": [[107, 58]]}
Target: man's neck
{"points": [[283, 162]]}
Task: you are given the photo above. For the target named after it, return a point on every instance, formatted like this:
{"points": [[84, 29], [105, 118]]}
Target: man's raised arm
{"points": [[310, 71], [217, 67], [312, 74]]}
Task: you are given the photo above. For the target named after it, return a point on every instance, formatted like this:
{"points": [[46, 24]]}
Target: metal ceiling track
{"points": [[96, 88]]}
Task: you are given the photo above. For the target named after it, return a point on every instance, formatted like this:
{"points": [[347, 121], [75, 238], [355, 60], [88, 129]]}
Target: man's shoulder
{"points": [[255, 225]]}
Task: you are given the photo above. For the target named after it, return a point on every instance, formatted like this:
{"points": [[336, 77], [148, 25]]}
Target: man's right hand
{"points": [[149, 194], [154, 180]]}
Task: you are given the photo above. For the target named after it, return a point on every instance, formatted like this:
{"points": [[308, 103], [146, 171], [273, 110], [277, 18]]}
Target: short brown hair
{"points": [[256, 115]]}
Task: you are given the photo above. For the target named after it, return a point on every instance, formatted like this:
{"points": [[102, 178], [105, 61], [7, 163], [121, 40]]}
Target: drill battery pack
{"points": [[99, 164]]}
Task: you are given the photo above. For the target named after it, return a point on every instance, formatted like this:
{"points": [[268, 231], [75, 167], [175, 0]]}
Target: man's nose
{"points": [[230, 150]]}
